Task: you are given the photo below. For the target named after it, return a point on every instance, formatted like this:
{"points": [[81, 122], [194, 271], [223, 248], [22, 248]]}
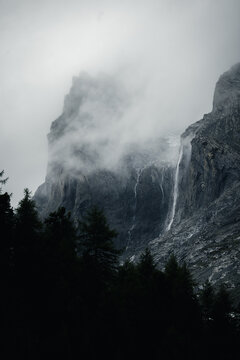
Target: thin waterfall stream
{"points": [[175, 190], [139, 171], [161, 183]]}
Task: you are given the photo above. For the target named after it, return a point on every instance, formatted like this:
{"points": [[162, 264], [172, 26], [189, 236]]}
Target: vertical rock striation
{"points": [[190, 207], [206, 229], [89, 166]]}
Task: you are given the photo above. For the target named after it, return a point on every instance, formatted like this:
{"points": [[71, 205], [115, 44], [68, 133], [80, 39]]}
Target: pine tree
{"points": [[180, 277], [60, 234], [207, 298], [59, 258], [146, 266], [172, 267], [28, 224], [96, 243], [186, 280], [222, 305], [59, 246], [27, 235], [6, 228]]}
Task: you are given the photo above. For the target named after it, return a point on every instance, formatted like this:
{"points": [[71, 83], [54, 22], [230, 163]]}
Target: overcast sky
{"points": [[174, 50]]}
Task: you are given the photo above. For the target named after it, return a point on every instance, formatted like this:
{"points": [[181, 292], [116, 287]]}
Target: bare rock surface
{"points": [[190, 207]]}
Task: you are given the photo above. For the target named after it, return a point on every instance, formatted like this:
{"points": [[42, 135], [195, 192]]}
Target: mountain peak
{"points": [[227, 91]]}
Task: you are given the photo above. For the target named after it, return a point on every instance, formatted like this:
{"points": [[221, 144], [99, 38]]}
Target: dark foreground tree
{"points": [[60, 303], [60, 236], [96, 245], [207, 299], [98, 269], [6, 262], [6, 229], [27, 231]]}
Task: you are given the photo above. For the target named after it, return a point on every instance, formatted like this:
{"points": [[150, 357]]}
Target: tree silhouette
{"points": [[96, 244], [27, 233], [6, 229], [65, 294], [146, 265], [207, 298], [60, 234]]}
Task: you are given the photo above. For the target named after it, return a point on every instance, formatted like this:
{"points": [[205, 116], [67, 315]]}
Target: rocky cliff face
{"points": [[89, 166], [190, 207], [206, 228]]}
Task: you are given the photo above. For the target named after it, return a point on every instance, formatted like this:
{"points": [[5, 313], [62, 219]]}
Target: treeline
{"points": [[64, 294]]}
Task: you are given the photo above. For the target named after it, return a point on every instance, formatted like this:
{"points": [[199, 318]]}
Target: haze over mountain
{"points": [[94, 161], [181, 200], [167, 56], [205, 229], [128, 166]]}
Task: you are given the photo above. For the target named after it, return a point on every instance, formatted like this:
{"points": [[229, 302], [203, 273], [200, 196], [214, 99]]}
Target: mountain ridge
{"points": [[206, 228], [188, 206]]}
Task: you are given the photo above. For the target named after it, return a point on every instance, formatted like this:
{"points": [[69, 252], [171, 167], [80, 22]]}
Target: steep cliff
{"points": [[189, 206], [88, 165], [205, 231]]}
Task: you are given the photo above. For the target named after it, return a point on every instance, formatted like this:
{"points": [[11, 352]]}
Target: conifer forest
{"points": [[66, 293]]}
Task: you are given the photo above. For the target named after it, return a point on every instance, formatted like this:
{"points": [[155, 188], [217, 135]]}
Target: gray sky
{"points": [[171, 52]]}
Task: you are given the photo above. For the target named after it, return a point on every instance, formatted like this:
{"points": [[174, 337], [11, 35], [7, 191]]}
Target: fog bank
{"points": [[167, 54]]}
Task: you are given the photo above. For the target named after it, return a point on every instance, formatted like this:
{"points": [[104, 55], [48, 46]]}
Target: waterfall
{"points": [[161, 183], [175, 190], [185, 153], [139, 171]]}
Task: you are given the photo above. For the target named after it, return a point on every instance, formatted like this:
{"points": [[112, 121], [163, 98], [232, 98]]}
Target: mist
{"points": [[161, 58], [104, 125]]}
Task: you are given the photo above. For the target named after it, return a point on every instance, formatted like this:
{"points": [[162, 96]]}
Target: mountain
{"points": [[88, 165], [205, 231], [189, 206]]}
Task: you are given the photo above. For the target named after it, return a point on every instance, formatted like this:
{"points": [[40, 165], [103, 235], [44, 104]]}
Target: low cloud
{"points": [[105, 126], [164, 55]]}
